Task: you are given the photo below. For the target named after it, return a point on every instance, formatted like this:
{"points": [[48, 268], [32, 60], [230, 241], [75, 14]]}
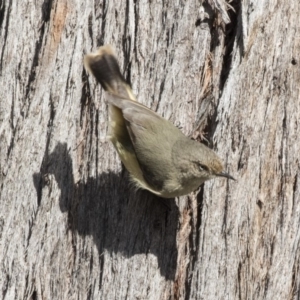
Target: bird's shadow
{"points": [[119, 219]]}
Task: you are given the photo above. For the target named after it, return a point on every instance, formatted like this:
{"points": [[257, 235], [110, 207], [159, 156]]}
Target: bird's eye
{"points": [[202, 167]]}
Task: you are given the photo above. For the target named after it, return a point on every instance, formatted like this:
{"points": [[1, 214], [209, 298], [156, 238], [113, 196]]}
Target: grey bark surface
{"points": [[71, 225]]}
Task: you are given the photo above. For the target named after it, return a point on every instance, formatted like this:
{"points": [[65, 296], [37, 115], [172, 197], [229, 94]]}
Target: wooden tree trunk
{"points": [[71, 226]]}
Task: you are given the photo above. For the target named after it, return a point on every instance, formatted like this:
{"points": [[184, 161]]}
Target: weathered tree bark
{"points": [[71, 227]]}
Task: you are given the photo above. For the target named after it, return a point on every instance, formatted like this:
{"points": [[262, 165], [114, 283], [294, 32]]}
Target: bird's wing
{"points": [[151, 136], [138, 116]]}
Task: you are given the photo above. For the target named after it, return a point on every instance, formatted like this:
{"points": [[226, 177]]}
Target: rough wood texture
{"points": [[70, 225]]}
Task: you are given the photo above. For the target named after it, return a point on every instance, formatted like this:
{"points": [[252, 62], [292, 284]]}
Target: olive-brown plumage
{"points": [[158, 156]]}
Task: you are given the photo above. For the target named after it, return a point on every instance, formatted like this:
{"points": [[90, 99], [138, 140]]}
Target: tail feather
{"points": [[105, 68]]}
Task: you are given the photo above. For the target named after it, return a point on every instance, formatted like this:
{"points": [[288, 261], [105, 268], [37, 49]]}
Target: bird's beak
{"points": [[223, 174]]}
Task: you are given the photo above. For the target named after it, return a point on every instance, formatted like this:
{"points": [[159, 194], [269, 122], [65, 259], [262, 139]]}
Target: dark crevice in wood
{"points": [[5, 286], [161, 89], [69, 80], [3, 42], [2, 11], [89, 292], [128, 73], [272, 247], [38, 184], [266, 285], [282, 167], [100, 40], [36, 56], [259, 204], [200, 201], [2, 222], [126, 45], [34, 295], [210, 129], [30, 228], [231, 32], [136, 26], [97, 139], [293, 61], [169, 38], [101, 264], [198, 22], [211, 22], [46, 10], [241, 160], [294, 287], [225, 216], [240, 281], [295, 191], [13, 129], [86, 99], [91, 130], [194, 241], [259, 173], [90, 28]]}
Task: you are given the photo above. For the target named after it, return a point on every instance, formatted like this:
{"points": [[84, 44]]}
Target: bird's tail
{"points": [[104, 66]]}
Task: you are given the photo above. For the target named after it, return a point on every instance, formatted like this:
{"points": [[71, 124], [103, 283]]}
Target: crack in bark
{"points": [[2, 11], [126, 45], [4, 42], [224, 224], [231, 33], [294, 284], [39, 179], [46, 10], [86, 98], [194, 240], [240, 281], [36, 57], [295, 184], [69, 80], [90, 28], [13, 129], [100, 40], [136, 25]]}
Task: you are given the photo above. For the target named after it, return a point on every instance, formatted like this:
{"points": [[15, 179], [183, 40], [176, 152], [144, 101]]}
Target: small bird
{"points": [[158, 156]]}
